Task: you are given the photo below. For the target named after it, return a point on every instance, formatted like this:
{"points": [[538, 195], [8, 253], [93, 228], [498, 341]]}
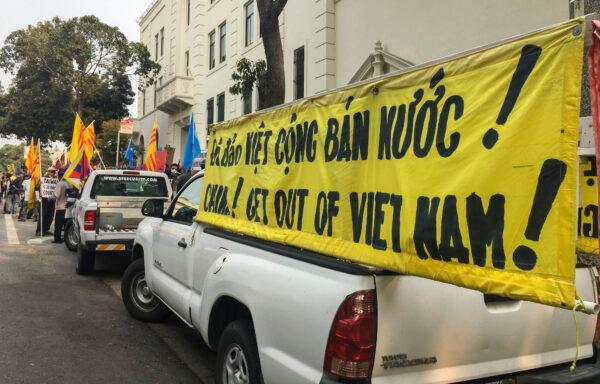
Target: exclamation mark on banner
{"points": [[529, 57], [551, 177], [238, 189]]}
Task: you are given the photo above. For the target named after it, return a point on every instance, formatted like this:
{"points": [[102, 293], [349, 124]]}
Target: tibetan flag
{"points": [[77, 138], [150, 163], [79, 169], [89, 136], [36, 174], [30, 159]]}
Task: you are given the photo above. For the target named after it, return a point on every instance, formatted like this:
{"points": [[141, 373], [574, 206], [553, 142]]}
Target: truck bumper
{"points": [[584, 373], [109, 245]]}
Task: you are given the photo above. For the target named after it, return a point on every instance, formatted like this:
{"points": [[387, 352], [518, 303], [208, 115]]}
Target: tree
{"points": [[247, 74], [106, 143], [80, 64], [13, 154], [270, 80]]}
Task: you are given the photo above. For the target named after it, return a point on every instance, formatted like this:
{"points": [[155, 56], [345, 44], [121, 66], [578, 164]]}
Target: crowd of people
{"points": [[15, 195]]}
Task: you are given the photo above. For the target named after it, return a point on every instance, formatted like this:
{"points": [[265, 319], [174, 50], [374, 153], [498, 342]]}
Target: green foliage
{"points": [[106, 143], [247, 75], [13, 154], [66, 66]]}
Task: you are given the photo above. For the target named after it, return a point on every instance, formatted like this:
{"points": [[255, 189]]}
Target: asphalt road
{"points": [[58, 327]]}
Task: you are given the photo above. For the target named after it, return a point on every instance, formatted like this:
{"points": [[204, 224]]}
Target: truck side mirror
{"points": [[74, 193], [153, 208]]}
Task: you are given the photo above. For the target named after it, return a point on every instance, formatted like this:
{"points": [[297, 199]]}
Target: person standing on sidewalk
{"points": [[25, 212], [47, 213], [60, 192], [15, 189]]}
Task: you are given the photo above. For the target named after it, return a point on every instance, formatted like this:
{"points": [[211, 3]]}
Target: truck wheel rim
{"points": [[235, 368], [72, 235], [141, 294]]}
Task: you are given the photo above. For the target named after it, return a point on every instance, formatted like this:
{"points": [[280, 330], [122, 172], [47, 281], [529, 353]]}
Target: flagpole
{"points": [[100, 157], [117, 152], [41, 218]]}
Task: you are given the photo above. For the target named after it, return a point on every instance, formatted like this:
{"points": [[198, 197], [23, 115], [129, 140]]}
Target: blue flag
{"points": [[192, 146], [128, 154]]}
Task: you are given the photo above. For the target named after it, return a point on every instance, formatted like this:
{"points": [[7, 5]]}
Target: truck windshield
{"points": [[127, 185]]}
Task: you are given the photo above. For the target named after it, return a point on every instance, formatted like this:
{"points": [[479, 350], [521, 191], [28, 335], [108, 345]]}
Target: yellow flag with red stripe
{"points": [[89, 136], [150, 163], [31, 156]]}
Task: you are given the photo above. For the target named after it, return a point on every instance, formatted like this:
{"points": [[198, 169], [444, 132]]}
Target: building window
{"points": [[221, 107], [162, 41], [188, 12], [156, 46], [210, 113], [299, 73], [249, 22], [211, 50], [222, 42], [187, 63], [143, 102]]}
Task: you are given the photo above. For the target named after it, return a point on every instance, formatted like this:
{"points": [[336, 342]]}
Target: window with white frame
{"points": [[211, 49], [249, 11], [222, 42]]}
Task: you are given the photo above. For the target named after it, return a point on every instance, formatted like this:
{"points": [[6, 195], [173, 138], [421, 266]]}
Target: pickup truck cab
{"points": [[278, 314], [107, 213]]}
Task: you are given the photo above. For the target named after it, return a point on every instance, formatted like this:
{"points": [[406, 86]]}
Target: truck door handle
{"points": [[182, 243]]}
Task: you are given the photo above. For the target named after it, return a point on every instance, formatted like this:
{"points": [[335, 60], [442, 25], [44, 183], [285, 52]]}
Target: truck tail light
{"points": [[351, 345], [89, 221]]}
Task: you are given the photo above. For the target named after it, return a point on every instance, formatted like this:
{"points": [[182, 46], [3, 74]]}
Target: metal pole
{"points": [[41, 218], [117, 154]]}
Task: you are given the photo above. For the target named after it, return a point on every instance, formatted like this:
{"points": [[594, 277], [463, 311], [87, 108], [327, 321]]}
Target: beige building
{"points": [[326, 43]]}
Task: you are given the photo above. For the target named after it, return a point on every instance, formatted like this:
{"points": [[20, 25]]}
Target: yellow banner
{"points": [[587, 228], [463, 171]]}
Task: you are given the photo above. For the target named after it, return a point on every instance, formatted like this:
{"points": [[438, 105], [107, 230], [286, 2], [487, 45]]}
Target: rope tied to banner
{"points": [[579, 306]]}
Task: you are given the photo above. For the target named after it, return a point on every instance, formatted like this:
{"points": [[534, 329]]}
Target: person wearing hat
{"points": [[60, 192], [15, 188], [47, 213]]}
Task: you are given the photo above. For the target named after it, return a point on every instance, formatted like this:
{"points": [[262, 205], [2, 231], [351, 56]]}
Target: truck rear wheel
{"points": [[137, 297], [70, 236], [85, 261], [237, 355]]}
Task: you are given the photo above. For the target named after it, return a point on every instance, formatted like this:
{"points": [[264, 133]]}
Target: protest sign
{"points": [[463, 171], [48, 186]]}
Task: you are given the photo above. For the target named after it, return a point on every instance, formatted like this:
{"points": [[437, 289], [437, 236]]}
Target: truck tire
{"points": [[237, 355], [85, 261], [137, 297], [70, 236]]}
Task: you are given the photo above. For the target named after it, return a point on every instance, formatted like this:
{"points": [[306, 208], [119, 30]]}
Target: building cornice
{"points": [[148, 11]]}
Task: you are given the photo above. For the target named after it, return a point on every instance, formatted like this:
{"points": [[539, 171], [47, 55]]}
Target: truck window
{"points": [[187, 202], [127, 185]]}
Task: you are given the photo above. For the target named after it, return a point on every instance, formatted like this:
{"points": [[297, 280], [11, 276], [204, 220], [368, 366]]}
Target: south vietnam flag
{"points": [[30, 159], [150, 162]]}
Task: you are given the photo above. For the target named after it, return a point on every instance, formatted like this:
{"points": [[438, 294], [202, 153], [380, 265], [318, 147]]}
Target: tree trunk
{"points": [[273, 91]]}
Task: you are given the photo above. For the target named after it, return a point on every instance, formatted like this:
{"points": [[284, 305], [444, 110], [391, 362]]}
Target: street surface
{"points": [[59, 327]]}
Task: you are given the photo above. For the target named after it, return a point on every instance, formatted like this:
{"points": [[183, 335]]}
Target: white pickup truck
{"points": [[108, 212], [277, 314]]}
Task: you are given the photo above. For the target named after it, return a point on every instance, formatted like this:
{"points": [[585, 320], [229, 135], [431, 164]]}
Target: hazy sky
{"points": [[18, 14]]}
